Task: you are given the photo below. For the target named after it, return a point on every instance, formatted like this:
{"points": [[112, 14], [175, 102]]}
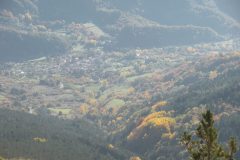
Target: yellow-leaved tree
{"points": [[135, 158], [160, 119]]}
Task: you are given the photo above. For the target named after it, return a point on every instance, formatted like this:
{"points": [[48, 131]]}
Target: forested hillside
{"points": [[39, 137]]}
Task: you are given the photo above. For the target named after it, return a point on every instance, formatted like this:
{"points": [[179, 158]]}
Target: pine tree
{"points": [[232, 144], [204, 144]]}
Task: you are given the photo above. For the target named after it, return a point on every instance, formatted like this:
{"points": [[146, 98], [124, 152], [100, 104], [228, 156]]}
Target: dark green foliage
{"points": [[232, 144], [204, 144], [65, 139], [17, 91], [203, 91], [29, 46]]}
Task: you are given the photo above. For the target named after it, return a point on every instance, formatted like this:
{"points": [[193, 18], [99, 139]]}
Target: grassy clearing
{"points": [[2, 98], [127, 71], [72, 86], [115, 104], [93, 88], [114, 91], [133, 78]]}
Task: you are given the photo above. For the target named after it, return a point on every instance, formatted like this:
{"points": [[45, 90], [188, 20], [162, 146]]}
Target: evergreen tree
{"points": [[204, 144], [232, 144]]}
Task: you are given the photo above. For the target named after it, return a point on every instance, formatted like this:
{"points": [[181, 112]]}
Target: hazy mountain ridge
{"points": [[198, 13], [230, 8], [207, 23]]}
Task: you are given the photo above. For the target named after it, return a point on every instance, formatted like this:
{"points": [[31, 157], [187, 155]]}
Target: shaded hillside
{"points": [[224, 89], [198, 13], [72, 10], [230, 7], [17, 7], [17, 45], [128, 25], [133, 31], [29, 136]]}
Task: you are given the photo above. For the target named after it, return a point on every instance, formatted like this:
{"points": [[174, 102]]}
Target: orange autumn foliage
{"points": [[131, 90], [84, 109], [147, 95], [110, 146], [236, 54], [213, 75], [157, 120], [135, 158], [119, 118], [164, 122], [159, 105], [92, 102], [169, 135]]}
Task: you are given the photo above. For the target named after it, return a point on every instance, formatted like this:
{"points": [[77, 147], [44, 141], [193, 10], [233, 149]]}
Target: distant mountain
{"points": [[213, 14], [230, 7], [135, 24]]}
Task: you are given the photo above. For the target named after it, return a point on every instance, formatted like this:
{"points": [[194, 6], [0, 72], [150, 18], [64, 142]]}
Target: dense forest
{"points": [[39, 137]]}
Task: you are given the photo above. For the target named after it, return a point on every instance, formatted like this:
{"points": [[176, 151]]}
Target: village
{"points": [[102, 86]]}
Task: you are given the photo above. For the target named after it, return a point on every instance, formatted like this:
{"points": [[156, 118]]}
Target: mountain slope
{"points": [[34, 137], [129, 25]]}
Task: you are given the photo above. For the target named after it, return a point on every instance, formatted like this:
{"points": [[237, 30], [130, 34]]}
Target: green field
{"points": [[2, 98]]}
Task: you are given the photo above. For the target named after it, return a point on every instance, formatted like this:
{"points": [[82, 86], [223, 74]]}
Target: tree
{"points": [[135, 158], [204, 144], [232, 144]]}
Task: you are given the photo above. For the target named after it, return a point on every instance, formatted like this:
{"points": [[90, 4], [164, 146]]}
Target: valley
{"points": [[115, 81]]}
